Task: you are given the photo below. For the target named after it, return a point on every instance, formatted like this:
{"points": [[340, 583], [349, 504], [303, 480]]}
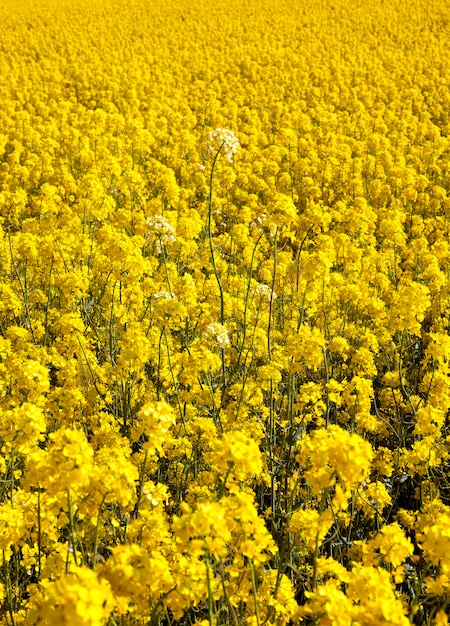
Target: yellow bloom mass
{"points": [[224, 312]]}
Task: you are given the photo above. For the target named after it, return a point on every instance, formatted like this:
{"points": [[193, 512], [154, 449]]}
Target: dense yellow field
{"points": [[224, 312]]}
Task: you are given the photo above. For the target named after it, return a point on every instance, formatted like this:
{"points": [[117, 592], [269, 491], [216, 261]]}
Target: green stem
{"points": [[274, 278], [141, 486], [210, 592], [9, 593], [177, 395], [211, 248], [244, 336], [254, 590], [163, 252], [72, 528], [39, 532], [23, 287], [97, 526]]}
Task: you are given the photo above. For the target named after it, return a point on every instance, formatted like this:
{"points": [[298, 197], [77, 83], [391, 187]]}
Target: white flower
{"points": [[163, 228], [264, 291], [161, 225], [260, 221], [165, 295], [219, 333], [226, 139]]}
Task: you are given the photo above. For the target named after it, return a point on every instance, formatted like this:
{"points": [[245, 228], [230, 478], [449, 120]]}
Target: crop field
{"points": [[224, 312]]}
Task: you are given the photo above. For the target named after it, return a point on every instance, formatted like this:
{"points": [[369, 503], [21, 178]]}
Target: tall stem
{"points": [[213, 259], [211, 248]]}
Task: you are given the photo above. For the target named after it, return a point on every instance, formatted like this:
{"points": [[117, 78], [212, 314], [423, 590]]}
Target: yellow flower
{"points": [[23, 427], [311, 526], [153, 422], [67, 463], [133, 575], [12, 525], [375, 599], [238, 453], [79, 598], [373, 499], [435, 542], [393, 545], [140, 437], [331, 454]]}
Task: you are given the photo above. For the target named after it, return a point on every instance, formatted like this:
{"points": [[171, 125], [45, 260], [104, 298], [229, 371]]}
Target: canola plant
{"points": [[224, 312]]}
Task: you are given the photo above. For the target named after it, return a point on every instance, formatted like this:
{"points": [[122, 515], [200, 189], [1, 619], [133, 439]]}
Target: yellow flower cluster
{"points": [[224, 312]]}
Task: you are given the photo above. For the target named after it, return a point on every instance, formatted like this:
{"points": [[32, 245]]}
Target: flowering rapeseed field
{"points": [[224, 312]]}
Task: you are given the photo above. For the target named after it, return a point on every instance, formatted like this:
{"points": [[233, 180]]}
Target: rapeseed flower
{"points": [[224, 312], [222, 138], [79, 598]]}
